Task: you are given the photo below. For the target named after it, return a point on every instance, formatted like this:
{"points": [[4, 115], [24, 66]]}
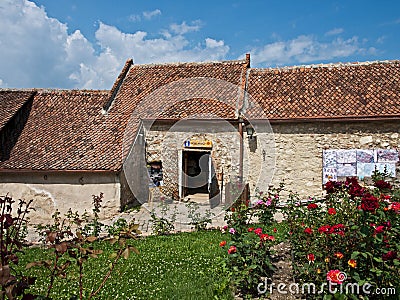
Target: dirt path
{"points": [[282, 260]]}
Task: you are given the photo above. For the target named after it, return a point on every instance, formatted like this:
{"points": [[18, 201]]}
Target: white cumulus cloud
{"points": [[38, 51], [305, 49]]}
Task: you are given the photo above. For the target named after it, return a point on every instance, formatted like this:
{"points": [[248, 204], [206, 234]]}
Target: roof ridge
{"points": [[45, 90], [18, 90], [232, 62], [326, 65], [51, 90]]}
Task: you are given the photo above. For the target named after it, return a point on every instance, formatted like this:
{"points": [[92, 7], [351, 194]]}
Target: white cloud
{"points": [[185, 28], [334, 31], [40, 52], [211, 43], [304, 49], [151, 14], [172, 48]]}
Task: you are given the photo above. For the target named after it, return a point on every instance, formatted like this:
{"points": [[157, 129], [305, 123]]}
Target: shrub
{"points": [[248, 259], [13, 284], [198, 220], [163, 223], [353, 239]]}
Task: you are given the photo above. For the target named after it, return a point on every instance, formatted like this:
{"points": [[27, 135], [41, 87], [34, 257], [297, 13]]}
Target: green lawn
{"points": [[180, 266]]}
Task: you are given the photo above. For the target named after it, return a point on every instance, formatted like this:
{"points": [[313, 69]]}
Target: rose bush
{"points": [[355, 235], [249, 242]]}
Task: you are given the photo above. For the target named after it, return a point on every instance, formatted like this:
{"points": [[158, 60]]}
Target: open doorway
{"points": [[196, 168]]}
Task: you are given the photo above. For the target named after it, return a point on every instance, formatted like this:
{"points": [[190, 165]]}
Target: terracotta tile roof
{"points": [[152, 91], [200, 108], [327, 91], [70, 130], [64, 130], [92, 130], [10, 102]]}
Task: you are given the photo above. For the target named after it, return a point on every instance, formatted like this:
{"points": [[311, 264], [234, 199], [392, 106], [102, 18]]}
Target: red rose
{"points": [[337, 229], [324, 229], [332, 211], [379, 229], [312, 206], [222, 244], [311, 257], [263, 237], [250, 229], [369, 203], [389, 255], [355, 189], [336, 276], [308, 230], [232, 249], [258, 231], [333, 186], [330, 187], [395, 206], [383, 185]]}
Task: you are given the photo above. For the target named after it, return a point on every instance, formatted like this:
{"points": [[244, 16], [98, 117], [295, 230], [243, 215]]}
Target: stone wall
{"points": [[165, 143], [292, 153], [299, 149], [61, 190]]}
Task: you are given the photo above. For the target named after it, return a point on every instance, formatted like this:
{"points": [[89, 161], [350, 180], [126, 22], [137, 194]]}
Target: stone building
{"points": [[189, 128]]}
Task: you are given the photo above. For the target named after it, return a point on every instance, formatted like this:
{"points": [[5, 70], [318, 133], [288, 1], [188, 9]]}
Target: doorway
{"points": [[196, 171]]}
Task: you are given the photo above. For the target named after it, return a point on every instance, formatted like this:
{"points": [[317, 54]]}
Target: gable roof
{"points": [[152, 91], [358, 90], [93, 130]]}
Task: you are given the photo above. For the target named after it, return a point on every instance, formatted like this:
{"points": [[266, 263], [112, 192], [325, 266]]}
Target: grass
{"points": [[180, 266]]}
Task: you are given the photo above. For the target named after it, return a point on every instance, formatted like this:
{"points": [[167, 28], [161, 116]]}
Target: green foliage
{"points": [[266, 205], [75, 247], [356, 232], [13, 284], [115, 228], [93, 227], [163, 223], [248, 253], [198, 220], [177, 266]]}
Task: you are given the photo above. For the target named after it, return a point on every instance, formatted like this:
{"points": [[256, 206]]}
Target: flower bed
{"points": [[350, 246]]}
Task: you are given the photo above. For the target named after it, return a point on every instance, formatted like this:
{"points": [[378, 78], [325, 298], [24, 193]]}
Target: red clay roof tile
{"points": [[10, 102], [70, 130], [327, 91]]}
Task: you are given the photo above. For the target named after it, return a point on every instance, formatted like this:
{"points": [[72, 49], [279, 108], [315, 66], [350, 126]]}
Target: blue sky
{"points": [[83, 44]]}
